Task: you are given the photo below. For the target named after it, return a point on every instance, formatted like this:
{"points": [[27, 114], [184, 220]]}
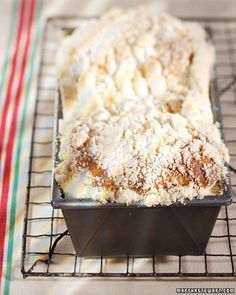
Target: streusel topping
{"points": [[138, 125]]}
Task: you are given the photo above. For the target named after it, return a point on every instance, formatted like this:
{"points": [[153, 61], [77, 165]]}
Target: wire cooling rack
{"points": [[47, 248]]}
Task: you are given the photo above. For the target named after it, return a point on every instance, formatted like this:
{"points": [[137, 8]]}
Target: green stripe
{"points": [[5, 67], [19, 148]]}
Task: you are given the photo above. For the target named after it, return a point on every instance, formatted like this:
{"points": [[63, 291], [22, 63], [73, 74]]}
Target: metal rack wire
{"points": [[47, 249]]}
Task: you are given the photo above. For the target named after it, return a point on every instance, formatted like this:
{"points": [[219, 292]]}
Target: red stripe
{"points": [[11, 78], [10, 143]]}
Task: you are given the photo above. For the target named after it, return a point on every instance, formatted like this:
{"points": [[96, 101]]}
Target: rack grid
{"points": [[46, 245]]}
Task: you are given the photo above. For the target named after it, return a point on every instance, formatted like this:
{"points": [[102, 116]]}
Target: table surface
{"points": [[17, 105]]}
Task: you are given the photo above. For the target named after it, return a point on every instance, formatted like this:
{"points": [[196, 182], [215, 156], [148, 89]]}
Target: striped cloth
{"points": [[18, 68], [21, 31]]}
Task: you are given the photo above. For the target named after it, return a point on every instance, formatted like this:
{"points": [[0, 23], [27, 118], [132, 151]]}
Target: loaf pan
{"points": [[116, 230]]}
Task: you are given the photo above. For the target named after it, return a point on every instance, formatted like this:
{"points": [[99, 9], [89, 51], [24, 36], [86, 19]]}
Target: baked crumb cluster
{"points": [[137, 121]]}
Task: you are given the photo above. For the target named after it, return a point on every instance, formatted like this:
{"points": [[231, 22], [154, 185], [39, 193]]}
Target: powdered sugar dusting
{"points": [[138, 125]]}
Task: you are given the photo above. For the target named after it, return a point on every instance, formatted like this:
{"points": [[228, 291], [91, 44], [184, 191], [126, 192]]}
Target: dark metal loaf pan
{"points": [[116, 230]]}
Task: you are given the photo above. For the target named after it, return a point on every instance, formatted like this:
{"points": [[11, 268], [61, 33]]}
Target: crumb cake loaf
{"points": [[137, 121]]}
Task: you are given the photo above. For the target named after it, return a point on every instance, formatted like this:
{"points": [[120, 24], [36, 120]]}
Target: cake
{"points": [[137, 121]]}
